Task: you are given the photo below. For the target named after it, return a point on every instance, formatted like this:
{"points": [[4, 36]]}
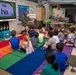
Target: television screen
{"points": [[7, 10]]}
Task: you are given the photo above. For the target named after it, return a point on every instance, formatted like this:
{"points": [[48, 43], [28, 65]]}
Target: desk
{"points": [[5, 34]]}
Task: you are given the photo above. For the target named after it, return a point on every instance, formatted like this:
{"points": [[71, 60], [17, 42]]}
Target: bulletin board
{"points": [[21, 10]]}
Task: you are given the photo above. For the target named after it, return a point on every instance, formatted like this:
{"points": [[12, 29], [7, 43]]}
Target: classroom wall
{"points": [[14, 24], [60, 12], [48, 10]]}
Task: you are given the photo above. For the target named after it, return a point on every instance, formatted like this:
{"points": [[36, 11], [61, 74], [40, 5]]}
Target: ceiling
{"points": [[60, 1]]}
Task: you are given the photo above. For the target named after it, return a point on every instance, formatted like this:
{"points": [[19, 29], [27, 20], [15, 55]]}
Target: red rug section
{"points": [[6, 42]]}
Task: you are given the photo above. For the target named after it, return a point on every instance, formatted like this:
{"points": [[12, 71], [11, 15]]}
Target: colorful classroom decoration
{"points": [[21, 10], [53, 21], [48, 21]]}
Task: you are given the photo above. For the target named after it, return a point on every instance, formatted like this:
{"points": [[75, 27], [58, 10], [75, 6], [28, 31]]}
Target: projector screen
{"points": [[7, 10]]}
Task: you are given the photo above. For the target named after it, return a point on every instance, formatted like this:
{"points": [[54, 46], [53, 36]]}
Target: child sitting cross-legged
{"points": [[27, 47], [51, 68], [41, 36], [14, 41], [70, 40], [34, 40], [31, 31], [51, 43], [55, 36], [61, 58]]}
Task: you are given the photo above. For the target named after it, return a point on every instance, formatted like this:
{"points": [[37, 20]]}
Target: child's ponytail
{"points": [[55, 66], [50, 58]]}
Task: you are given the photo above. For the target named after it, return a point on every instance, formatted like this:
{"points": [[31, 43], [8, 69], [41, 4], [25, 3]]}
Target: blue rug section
{"points": [[28, 64]]}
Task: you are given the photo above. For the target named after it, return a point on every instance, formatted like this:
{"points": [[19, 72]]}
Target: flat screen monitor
{"points": [[7, 10]]}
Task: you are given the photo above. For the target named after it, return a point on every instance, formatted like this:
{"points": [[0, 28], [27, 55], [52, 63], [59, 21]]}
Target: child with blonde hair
{"points": [[27, 47]]}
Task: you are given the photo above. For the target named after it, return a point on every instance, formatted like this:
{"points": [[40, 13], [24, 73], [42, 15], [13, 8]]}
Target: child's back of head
{"points": [[59, 47], [50, 58], [50, 33], [13, 33], [30, 27], [36, 34], [71, 30], [40, 31], [26, 38], [43, 25], [55, 32]]}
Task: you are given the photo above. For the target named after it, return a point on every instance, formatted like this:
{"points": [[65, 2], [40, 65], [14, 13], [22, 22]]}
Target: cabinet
{"points": [[40, 13]]}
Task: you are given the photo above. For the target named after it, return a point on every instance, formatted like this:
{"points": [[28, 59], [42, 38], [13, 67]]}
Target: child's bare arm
{"points": [[69, 40], [46, 43]]}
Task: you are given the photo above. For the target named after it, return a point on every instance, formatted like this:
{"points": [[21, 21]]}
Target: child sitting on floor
{"points": [[61, 35], [70, 40], [51, 44], [55, 36], [41, 36], [34, 40], [51, 68], [14, 41], [43, 28], [27, 47], [31, 31], [61, 58]]}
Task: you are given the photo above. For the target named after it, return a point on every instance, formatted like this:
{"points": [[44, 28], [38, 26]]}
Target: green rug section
{"points": [[8, 61], [72, 60], [19, 54]]}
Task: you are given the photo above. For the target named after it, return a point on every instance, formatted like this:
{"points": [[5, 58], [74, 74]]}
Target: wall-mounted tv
{"points": [[7, 10]]}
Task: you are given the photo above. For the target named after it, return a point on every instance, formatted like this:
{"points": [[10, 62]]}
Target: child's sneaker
{"points": [[42, 48], [73, 70]]}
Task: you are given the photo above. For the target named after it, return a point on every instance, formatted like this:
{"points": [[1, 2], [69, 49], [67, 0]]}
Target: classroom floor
{"points": [[3, 72], [67, 71]]}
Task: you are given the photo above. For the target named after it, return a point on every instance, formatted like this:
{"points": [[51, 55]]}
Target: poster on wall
{"points": [[21, 10]]}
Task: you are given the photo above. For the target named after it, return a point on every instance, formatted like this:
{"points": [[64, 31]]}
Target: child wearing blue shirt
{"points": [[61, 58], [31, 31], [14, 41]]}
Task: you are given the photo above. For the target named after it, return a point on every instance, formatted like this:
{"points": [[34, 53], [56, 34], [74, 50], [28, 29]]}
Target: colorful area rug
{"points": [[66, 50], [28, 64]]}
